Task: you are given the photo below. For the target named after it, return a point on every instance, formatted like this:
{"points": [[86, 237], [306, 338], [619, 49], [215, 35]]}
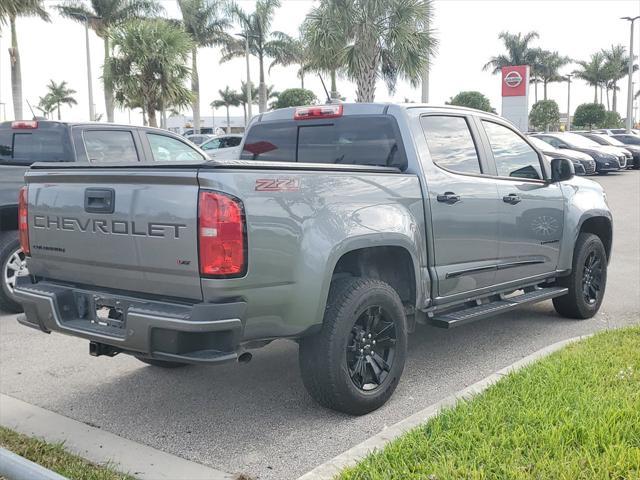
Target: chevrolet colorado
{"points": [[25, 142], [340, 227]]}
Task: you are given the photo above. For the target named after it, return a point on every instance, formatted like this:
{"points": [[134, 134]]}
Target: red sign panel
{"points": [[514, 81]]}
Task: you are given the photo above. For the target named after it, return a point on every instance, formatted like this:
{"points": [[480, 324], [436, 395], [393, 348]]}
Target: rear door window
{"points": [[110, 146], [450, 143], [351, 140]]}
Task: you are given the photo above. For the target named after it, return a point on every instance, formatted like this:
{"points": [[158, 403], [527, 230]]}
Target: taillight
{"points": [[22, 124], [221, 235], [320, 111], [23, 223]]}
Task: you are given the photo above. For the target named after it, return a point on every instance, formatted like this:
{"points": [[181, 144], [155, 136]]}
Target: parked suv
{"points": [[25, 142], [340, 228], [608, 159], [632, 152]]}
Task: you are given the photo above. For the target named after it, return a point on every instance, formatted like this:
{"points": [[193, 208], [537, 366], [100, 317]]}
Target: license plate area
{"points": [[102, 311]]}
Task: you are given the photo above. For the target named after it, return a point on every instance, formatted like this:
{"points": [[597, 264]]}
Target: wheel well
{"points": [[392, 265], [601, 227], [8, 218]]}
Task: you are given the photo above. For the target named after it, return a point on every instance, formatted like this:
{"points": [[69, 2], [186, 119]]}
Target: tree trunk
{"points": [[614, 98], [195, 89], [244, 108], [262, 88], [151, 114], [535, 91], [59, 117], [301, 79], [334, 89], [106, 80], [607, 90], [144, 117], [228, 121], [16, 75], [544, 88], [366, 84], [595, 94]]}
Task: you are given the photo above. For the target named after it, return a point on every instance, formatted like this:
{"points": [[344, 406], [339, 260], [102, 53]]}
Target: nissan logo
{"points": [[513, 79]]}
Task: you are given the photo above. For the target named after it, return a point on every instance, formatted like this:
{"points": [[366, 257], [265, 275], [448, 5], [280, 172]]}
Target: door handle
{"points": [[511, 199], [99, 200], [448, 197]]}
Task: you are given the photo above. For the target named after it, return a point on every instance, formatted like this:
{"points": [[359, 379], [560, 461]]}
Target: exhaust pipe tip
{"points": [[245, 357]]}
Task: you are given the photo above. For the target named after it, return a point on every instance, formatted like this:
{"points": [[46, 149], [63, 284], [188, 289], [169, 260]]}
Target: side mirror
{"points": [[561, 146], [561, 170]]}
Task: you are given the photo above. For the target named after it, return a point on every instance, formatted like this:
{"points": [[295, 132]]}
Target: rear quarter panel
{"points": [[297, 234]]}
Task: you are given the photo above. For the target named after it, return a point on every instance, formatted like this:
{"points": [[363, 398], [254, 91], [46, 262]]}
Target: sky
{"points": [[467, 32]]}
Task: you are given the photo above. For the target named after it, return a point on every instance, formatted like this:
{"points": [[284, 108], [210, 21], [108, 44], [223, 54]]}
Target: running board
{"points": [[471, 314]]}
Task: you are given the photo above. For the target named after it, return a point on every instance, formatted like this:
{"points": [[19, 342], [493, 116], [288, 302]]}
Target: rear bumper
{"points": [[200, 333]]}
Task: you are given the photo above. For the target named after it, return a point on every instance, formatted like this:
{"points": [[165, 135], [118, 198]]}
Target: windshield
{"points": [[611, 141], [542, 145], [577, 140]]}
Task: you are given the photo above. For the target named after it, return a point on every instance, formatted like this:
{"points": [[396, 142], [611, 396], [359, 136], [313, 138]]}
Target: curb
{"points": [[329, 469], [100, 446], [16, 467]]}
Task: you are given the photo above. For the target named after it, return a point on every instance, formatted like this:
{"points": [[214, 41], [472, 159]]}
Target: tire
{"points": [[589, 265], [9, 251], [160, 363], [336, 372]]}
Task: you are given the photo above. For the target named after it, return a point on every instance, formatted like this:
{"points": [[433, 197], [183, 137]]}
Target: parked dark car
{"points": [[606, 161], [25, 142], [633, 156], [583, 163], [630, 141]]}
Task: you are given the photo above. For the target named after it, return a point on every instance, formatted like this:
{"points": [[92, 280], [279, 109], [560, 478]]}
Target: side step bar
{"points": [[471, 314]]}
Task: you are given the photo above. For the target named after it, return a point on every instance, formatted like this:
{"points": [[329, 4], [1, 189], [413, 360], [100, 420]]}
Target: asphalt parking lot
{"points": [[257, 418]]}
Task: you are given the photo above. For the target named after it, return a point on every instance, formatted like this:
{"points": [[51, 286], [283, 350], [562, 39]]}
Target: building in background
{"points": [[181, 124]]}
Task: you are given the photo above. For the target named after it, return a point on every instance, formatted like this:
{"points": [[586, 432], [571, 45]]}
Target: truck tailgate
{"points": [[124, 228]]}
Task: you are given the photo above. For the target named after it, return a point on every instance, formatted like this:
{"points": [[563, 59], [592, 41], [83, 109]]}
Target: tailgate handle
{"points": [[99, 200]]}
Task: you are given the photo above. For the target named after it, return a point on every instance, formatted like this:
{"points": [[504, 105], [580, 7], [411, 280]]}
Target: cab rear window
{"points": [[25, 147], [372, 140]]}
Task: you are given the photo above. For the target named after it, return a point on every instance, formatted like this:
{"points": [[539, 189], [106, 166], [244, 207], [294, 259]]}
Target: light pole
{"points": [[630, 74], [246, 54], [92, 114], [569, 75]]}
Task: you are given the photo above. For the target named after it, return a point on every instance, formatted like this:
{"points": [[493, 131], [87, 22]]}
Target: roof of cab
{"points": [[377, 108]]}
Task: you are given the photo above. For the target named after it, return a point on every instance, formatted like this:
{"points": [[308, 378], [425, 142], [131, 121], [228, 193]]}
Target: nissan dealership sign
{"points": [[515, 95]]}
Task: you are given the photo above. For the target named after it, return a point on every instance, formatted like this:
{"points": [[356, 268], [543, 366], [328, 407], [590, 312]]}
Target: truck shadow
{"points": [[257, 418]]}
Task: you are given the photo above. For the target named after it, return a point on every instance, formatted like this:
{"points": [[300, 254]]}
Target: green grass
{"points": [[574, 415], [54, 457]]}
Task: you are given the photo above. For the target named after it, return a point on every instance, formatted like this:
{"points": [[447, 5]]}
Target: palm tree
{"points": [[45, 106], [205, 24], [59, 94], [10, 10], [616, 67], [325, 43], [290, 51], [257, 27], [518, 52], [380, 39], [228, 98], [593, 72], [243, 97], [103, 16], [149, 67], [548, 65]]}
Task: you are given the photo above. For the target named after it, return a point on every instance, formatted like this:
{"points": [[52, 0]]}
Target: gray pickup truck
{"points": [[340, 227], [25, 142]]}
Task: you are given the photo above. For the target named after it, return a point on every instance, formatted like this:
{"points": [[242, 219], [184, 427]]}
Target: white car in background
{"points": [[223, 146]]}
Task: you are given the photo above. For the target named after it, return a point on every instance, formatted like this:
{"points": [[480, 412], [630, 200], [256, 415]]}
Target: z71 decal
{"points": [[277, 185]]}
